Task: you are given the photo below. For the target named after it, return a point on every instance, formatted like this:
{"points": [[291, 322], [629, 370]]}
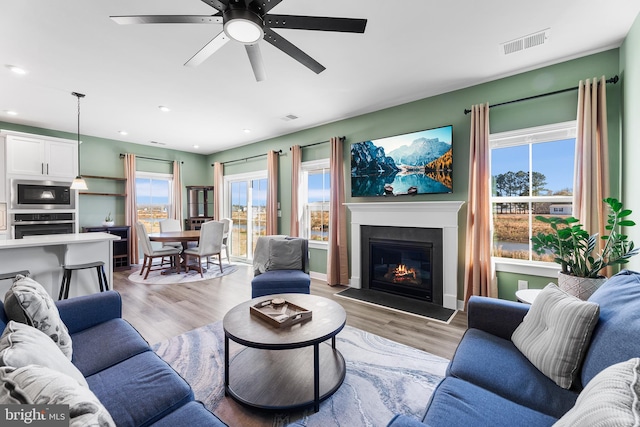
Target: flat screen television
{"points": [[411, 163]]}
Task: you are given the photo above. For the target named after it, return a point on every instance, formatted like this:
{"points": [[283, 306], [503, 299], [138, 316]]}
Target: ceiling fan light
{"points": [[243, 26]]}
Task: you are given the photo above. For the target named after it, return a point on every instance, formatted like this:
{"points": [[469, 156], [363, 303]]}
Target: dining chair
{"points": [[210, 243], [150, 253], [226, 237], [170, 225]]}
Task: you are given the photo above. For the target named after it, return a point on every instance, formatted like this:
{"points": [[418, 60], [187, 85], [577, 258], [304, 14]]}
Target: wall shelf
{"points": [[95, 193]]}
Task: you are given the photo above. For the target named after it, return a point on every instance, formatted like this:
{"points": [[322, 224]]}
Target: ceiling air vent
{"points": [[526, 42], [289, 117]]}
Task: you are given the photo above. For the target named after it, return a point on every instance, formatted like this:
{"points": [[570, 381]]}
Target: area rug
{"points": [[399, 303], [157, 278], [383, 378]]}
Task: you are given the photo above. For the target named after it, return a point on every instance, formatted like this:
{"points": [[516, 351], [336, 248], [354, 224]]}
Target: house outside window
{"points": [[532, 173], [153, 199], [315, 196]]}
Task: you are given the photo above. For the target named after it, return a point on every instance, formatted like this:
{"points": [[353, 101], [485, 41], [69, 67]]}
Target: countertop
{"points": [[57, 239]]}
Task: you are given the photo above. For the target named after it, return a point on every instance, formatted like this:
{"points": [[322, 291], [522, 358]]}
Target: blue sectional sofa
{"points": [[135, 385], [490, 383]]}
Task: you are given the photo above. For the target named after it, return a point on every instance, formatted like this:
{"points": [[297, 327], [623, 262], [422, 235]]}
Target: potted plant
{"points": [[575, 249], [108, 221]]}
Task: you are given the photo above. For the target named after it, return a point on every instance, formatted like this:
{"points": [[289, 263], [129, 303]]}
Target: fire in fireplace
{"points": [[405, 261]]}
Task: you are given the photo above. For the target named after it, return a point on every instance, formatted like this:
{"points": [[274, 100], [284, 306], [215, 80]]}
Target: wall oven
{"points": [[38, 224], [26, 194]]}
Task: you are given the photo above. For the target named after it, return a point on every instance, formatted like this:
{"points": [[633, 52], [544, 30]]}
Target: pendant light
{"points": [[78, 183]]}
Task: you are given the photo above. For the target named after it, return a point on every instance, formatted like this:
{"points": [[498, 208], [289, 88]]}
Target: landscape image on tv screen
{"points": [[411, 163]]}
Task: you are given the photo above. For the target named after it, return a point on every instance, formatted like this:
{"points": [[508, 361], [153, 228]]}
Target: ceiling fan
{"points": [[248, 21]]}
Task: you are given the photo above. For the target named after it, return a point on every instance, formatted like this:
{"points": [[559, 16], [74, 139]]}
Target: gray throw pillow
{"points": [[22, 345], [28, 302], [285, 255], [612, 398], [556, 332], [39, 385]]}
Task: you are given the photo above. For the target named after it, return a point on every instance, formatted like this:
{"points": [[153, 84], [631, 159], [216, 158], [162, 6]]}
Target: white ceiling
{"points": [[410, 50]]}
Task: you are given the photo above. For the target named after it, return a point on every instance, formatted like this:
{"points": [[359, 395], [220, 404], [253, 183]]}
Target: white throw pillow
{"points": [[612, 398], [556, 332]]}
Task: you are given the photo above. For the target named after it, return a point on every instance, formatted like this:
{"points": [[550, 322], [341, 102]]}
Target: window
{"points": [[315, 196], [153, 199], [531, 175]]}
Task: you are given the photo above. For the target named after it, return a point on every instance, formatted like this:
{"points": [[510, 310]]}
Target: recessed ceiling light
{"points": [[16, 69], [247, 130], [123, 132], [164, 109], [196, 146], [11, 112]]}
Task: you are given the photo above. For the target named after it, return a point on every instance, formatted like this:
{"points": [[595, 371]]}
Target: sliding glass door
{"points": [[246, 204]]}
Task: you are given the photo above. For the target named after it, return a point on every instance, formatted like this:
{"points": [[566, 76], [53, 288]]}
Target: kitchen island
{"points": [[44, 257]]}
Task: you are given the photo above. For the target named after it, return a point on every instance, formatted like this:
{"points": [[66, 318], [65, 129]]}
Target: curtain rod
{"points": [[247, 158], [321, 142], [150, 158], [613, 80]]}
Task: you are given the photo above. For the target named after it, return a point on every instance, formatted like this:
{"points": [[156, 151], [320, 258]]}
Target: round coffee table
{"points": [[289, 367]]}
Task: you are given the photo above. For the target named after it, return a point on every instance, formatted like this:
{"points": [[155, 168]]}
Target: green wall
{"points": [[448, 109], [630, 123], [101, 157]]}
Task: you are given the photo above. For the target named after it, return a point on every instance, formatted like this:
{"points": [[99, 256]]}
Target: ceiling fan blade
{"points": [[167, 19], [319, 23], [287, 47], [209, 49], [265, 6], [220, 5], [255, 57]]}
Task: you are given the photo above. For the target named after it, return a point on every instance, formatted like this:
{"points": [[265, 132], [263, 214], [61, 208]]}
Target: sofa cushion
{"points": [[28, 302], [615, 337], [140, 390], [193, 414], [106, 344], [34, 384], [280, 282], [22, 345], [612, 398], [458, 403], [285, 254], [496, 364], [556, 332]]}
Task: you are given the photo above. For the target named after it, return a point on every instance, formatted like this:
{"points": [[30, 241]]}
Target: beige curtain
{"points": [[130, 212], [296, 175], [176, 206], [272, 192], [218, 190], [591, 177], [337, 256], [479, 274]]}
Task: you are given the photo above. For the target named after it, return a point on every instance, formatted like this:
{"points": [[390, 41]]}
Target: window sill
{"points": [[532, 268], [314, 244]]}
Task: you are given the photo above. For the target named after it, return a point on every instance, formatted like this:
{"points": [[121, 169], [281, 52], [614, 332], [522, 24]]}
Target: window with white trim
{"points": [[153, 198], [315, 195], [532, 173]]}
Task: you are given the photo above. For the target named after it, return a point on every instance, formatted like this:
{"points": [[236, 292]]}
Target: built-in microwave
{"points": [[26, 194]]}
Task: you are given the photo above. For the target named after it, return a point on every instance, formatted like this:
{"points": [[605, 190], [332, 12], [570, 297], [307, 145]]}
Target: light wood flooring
{"points": [[160, 312]]}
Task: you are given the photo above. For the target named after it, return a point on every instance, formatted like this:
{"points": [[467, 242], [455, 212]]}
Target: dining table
{"points": [[184, 237]]}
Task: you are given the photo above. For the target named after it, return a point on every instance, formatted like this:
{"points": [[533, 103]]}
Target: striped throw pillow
{"points": [[555, 333], [612, 398]]}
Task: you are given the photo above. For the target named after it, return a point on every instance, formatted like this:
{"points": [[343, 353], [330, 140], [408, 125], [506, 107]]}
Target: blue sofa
{"points": [[490, 383], [135, 385]]}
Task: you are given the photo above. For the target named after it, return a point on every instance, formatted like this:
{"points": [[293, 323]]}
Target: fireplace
{"points": [[436, 215], [405, 261]]}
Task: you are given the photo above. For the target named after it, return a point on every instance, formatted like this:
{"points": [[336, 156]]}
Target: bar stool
{"points": [[6, 276], [68, 269]]}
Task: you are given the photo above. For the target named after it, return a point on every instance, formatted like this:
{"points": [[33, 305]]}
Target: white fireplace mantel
{"points": [[442, 215]]}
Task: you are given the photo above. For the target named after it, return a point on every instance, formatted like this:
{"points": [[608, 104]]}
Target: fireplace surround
{"points": [[427, 215]]}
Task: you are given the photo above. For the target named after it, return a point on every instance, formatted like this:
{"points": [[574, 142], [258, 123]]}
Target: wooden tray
{"points": [[280, 315]]}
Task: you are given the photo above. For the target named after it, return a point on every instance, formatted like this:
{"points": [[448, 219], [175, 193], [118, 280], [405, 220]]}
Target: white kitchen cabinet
{"points": [[3, 174], [46, 158]]}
